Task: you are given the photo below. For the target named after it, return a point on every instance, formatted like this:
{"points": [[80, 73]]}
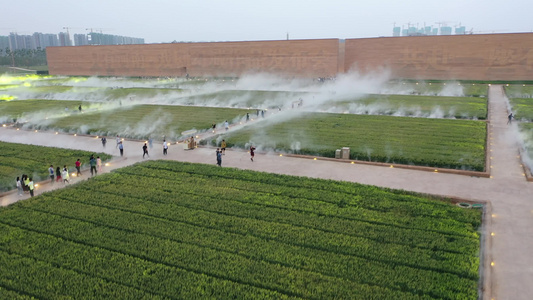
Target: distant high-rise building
{"points": [[396, 31], [446, 30], [4, 43], [64, 39], [80, 40], [460, 30], [95, 38]]}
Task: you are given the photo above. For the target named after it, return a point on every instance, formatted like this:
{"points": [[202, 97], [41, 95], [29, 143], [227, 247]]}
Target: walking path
{"points": [[508, 193]]}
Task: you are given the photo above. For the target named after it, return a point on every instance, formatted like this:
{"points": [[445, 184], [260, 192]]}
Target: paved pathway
{"points": [[508, 192]]}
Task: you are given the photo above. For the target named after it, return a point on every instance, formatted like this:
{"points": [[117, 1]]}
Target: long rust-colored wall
{"points": [[467, 57], [309, 58], [459, 57]]}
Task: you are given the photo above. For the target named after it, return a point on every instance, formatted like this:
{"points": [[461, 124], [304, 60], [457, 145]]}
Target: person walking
{"points": [[58, 174], [145, 150], [247, 117], [117, 139], [121, 148], [99, 164], [165, 147], [78, 167], [26, 182], [226, 125], [214, 127], [223, 147], [19, 187], [31, 187], [252, 149], [65, 175], [92, 162], [510, 118], [219, 157], [51, 172], [104, 141]]}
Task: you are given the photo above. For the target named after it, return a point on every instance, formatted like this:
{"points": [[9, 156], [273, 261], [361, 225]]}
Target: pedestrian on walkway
{"points": [[223, 147], [31, 187], [226, 125], [26, 182], [19, 187], [165, 147], [145, 150], [78, 167], [121, 148], [214, 127], [510, 118], [117, 139], [219, 157], [58, 174], [99, 164], [51, 172], [104, 141], [65, 175], [92, 162], [247, 117], [252, 149]]}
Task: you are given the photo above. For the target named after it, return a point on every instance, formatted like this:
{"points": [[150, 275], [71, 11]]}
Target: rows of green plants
{"points": [[14, 110], [81, 92], [455, 144], [464, 88], [34, 161], [178, 230], [139, 121], [143, 121], [522, 108], [519, 90], [244, 98], [414, 105]]}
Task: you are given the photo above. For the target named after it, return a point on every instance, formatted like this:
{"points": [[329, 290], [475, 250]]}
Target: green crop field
{"points": [[456, 144], [18, 159], [412, 105], [439, 88], [519, 91], [165, 230], [95, 93], [522, 108], [143, 121], [10, 110]]}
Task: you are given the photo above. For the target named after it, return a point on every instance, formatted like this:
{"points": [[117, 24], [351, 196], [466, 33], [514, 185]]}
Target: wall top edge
{"points": [[444, 36], [204, 43]]}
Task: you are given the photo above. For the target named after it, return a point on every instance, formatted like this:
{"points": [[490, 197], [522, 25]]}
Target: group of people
{"points": [[25, 185], [61, 174]]}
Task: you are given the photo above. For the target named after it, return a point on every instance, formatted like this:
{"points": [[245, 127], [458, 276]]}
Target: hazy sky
{"points": [[241, 20]]}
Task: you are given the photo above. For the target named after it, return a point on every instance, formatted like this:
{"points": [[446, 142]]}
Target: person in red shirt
{"points": [[78, 167]]}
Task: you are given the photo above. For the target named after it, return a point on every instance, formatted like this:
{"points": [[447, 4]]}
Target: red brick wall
{"points": [[308, 58], [470, 57]]}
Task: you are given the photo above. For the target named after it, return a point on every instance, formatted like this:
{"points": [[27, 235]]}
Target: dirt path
{"points": [[508, 191]]}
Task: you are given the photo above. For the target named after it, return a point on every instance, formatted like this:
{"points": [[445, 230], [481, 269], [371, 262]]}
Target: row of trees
{"points": [[23, 57]]}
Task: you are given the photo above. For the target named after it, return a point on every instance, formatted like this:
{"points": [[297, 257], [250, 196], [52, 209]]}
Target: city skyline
{"points": [[166, 21]]}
